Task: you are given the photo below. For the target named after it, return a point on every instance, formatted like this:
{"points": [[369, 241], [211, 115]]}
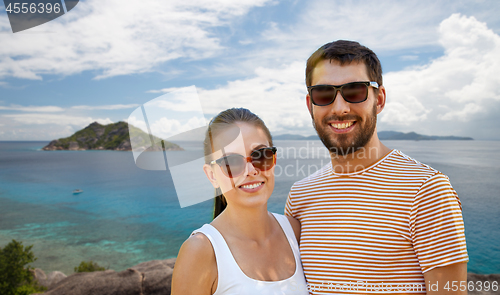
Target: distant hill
{"points": [[393, 135], [107, 137], [382, 135], [295, 137]]}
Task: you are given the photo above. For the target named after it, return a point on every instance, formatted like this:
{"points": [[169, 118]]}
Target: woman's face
{"points": [[253, 187]]}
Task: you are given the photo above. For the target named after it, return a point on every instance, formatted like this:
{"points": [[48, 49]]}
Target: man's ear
{"points": [[381, 97], [210, 175], [309, 105]]}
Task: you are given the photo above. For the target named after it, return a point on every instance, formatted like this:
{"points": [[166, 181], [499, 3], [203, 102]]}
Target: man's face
{"points": [[345, 127]]}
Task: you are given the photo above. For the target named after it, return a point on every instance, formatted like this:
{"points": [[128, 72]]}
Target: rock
{"points": [[477, 283], [47, 280], [157, 276], [73, 146], [157, 282], [53, 146], [170, 262], [147, 278], [153, 265], [127, 282]]}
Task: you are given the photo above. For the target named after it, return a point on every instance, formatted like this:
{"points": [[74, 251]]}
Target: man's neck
{"points": [[364, 157]]}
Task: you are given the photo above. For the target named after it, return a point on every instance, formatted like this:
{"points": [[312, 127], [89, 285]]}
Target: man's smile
{"points": [[342, 126]]}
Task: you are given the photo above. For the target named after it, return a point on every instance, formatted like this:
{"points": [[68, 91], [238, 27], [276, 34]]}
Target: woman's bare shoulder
{"points": [[198, 244], [195, 269], [196, 250]]}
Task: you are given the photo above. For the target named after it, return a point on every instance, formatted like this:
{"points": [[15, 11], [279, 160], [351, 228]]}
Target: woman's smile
{"points": [[252, 186]]}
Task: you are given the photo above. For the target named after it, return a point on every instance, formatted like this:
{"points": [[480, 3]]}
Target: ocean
{"points": [[127, 215]]}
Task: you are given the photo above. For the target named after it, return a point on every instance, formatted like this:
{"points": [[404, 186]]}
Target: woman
{"points": [[245, 249]]}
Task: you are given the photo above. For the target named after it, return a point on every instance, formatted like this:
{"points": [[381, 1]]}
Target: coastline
{"points": [[64, 256], [155, 277]]}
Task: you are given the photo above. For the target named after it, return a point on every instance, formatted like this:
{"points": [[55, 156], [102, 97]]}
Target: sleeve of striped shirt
{"points": [[436, 225], [288, 205]]}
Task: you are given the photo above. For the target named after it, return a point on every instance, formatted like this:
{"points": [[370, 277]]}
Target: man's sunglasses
{"points": [[234, 165], [354, 92]]}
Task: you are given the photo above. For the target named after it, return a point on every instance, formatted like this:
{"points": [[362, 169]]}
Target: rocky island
{"points": [[116, 136]]}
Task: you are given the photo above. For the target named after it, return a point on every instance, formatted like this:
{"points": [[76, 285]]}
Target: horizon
{"points": [[315, 134]]}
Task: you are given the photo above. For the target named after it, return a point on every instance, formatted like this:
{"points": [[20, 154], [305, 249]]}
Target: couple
{"points": [[372, 221]]}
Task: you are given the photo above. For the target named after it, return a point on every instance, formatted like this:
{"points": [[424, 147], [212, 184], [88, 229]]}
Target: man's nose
{"points": [[339, 105]]}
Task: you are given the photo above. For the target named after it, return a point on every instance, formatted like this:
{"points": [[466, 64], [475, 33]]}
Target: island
{"points": [[382, 135], [115, 136]]}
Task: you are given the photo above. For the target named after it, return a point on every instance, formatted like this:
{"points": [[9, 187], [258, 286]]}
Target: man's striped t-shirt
{"points": [[379, 229]]}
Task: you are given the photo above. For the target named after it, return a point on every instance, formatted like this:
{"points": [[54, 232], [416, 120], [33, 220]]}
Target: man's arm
{"points": [[450, 279]]}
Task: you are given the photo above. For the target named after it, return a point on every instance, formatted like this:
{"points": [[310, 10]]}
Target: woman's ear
{"points": [[210, 175]]}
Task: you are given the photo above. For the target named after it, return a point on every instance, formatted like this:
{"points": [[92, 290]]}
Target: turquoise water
{"points": [[127, 215]]}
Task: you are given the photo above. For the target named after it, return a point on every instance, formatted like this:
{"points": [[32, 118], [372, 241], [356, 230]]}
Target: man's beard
{"points": [[339, 144]]}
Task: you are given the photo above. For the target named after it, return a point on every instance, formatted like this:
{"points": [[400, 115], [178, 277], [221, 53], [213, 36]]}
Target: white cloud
{"points": [[118, 37], [55, 109], [408, 57], [461, 86], [165, 90], [115, 38], [139, 123], [405, 113], [55, 119], [41, 109], [106, 107], [465, 80], [463, 114], [384, 25], [277, 95], [165, 127]]}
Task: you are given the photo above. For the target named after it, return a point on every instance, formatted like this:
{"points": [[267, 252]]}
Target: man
{"points": [[373, 220]]}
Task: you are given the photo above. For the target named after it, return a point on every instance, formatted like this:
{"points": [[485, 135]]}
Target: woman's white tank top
{"points": [[232, 280]]}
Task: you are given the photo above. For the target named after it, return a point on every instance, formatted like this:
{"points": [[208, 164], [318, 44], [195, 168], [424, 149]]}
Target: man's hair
{"points": [[345, 52]]}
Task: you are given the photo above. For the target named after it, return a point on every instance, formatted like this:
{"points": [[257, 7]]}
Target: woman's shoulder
{"points": [[196, 252], [196, 259], [198, 244]]}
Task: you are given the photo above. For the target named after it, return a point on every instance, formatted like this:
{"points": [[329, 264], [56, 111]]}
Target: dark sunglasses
{"points": [[354, 92], [234, 165]]}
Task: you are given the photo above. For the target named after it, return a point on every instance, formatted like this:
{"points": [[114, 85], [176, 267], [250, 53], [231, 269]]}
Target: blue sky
{"points": [[99, 62]]}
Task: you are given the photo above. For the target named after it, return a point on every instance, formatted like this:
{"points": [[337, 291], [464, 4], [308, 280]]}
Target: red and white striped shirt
{"points": [[379, 229]]}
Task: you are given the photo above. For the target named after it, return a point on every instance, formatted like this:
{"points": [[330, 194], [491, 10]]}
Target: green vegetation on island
{"points": [[89, 266], [116, 136]]}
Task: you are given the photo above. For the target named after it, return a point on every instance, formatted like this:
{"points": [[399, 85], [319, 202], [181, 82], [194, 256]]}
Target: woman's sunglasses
{"points": [[354, 92], [234, 165]]}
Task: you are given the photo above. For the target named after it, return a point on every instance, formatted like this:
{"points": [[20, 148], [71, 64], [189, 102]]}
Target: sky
{"points": [[104, 59]]}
